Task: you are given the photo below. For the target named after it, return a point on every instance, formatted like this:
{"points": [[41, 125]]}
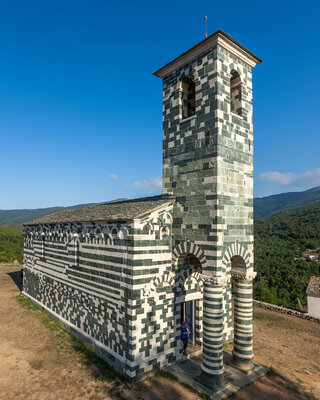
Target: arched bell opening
{"points": [[235, 93], [187, 99]]}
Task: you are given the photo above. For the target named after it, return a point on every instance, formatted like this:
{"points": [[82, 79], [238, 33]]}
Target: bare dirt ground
{"points": [[39, 361]]}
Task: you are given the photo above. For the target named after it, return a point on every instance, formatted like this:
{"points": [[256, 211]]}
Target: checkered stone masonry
{"points": [[119, 286], [207, 162], [92, 277]]}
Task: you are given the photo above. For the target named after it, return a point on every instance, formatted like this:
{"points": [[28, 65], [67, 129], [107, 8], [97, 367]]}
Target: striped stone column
{"points": [[212, 374], [243, 341]]}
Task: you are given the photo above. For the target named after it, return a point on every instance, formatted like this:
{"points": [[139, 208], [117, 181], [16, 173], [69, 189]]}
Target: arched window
{"points": [[188, 97], [235, 93], [238, 265]]}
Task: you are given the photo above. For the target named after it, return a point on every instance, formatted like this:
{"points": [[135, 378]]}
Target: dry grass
{"points": [[40, 360]]}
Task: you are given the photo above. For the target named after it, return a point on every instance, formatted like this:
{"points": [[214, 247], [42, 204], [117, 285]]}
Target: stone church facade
{"points": [[122, 276]]}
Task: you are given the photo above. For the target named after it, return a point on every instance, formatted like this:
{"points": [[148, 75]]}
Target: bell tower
{"points": [[208, 168], [208, 144]]}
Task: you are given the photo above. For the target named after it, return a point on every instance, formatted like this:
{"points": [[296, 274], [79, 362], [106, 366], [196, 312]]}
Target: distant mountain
{"points": [[25, 215], [278, 203], [263, 206]]}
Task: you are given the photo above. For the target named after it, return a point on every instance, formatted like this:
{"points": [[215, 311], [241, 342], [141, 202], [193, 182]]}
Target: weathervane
{"points": [[205, 23]]}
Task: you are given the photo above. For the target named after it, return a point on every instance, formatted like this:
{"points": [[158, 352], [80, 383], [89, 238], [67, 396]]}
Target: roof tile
{"points": [[118, 211], [314, 286]]}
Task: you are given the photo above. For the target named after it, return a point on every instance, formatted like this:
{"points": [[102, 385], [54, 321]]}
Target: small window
{"points": [[42, 246], [164, 232], [77, 252], [188, 97], [235, 93]]}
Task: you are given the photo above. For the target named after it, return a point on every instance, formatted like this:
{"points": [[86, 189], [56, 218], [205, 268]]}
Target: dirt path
{"points": [[34, 361], [38, 362], [289, 345]]}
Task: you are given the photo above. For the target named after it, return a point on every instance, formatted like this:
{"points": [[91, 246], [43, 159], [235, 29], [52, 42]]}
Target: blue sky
{"points": [[81, 112]]}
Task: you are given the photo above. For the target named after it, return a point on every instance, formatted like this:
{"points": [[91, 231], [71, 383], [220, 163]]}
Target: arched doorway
{"points": [[189, 297]]}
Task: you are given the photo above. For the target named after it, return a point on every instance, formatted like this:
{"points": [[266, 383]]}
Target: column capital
{"points": [[214, 280], [247, 276], [250, 276]]}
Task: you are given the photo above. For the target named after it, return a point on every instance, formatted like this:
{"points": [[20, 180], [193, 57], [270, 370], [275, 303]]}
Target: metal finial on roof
{"points": [[205, 22]]}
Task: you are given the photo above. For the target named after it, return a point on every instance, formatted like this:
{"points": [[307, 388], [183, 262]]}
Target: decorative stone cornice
{"points": [[215, 280], [251, 275], [219, 38], [247, 275]]}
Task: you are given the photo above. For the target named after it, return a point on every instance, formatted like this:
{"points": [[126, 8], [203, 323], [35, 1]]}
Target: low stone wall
{"points": [[284, 310]]}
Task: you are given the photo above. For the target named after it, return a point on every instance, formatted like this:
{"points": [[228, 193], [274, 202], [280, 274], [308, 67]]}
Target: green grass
{"points": [[100, 368], [165, 374], [26, 303], [11, 244], [276, 320]]}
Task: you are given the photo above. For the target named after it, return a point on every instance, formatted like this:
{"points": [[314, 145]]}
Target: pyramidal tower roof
{"points": [[217, 38]]}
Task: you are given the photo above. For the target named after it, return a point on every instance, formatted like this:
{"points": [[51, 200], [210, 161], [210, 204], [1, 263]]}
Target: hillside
{"points": [[11, 244], [280, 243], [26, 215], [263, 207], [278, 203], [21, 216], [13, 226]]}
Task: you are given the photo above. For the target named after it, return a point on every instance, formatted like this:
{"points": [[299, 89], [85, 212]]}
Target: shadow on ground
{"points": [[16, 276], [156, 388], [271, 386]]}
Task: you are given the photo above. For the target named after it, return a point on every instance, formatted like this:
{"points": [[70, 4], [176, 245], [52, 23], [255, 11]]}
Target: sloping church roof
{"points": [[314, 286], [118, 211]]}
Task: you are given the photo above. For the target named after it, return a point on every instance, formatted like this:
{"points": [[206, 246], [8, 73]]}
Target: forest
{"points": [[281, 244]]}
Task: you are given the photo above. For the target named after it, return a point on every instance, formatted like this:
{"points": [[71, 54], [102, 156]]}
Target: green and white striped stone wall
{"points": [[82, 274], [208, 165], [93, 278]]}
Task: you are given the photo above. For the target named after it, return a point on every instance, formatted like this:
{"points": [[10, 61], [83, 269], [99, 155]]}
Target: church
{"points": [[123, 276]]}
